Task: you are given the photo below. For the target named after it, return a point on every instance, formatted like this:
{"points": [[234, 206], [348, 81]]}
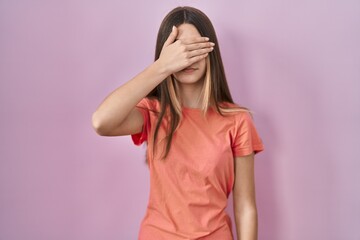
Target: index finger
{"points": [[191, 40]]}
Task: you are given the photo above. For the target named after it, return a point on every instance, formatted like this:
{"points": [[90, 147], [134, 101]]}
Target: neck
{"points": [[190, 95]]}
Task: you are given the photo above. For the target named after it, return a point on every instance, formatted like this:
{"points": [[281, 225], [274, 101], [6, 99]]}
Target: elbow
{"points": [[245, 204], [245, 210], [98, 125]]}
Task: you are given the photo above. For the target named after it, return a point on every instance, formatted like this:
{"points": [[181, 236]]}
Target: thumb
{"points": [[172, 36]]}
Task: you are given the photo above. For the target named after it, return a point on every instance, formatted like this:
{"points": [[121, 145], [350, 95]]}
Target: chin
{"points": [[188, 80]]}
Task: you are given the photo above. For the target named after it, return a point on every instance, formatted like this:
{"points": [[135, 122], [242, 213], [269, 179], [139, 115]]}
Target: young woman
{"points": [[200, 144]]}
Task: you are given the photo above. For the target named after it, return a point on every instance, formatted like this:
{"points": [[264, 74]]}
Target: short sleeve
{"points": [[246, 138], [143, 107]]}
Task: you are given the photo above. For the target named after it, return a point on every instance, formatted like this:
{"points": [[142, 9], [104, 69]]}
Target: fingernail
{"points": [[173, 28], [212, 44], [206, 38]]}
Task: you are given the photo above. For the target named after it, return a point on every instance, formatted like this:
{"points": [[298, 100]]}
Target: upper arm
{"points": [[132, 124], [244, 185]]}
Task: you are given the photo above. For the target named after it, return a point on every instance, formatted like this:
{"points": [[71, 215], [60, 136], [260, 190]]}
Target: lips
{"points": [[189, 69]]}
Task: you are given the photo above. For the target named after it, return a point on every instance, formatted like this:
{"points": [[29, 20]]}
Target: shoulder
{"points": [[235, 110], [149, 103], [241, 117]]}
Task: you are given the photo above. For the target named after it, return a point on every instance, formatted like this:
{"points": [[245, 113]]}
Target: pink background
{"points": [[295, 63]]}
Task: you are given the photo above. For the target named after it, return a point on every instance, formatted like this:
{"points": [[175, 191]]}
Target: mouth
{"points": [[189, 69]]}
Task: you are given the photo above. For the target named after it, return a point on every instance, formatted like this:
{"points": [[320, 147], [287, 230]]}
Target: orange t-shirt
{"points": [[189, 190]]}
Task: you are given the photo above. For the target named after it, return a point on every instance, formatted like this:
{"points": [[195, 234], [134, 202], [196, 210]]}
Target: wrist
{"points": [[161, 69]]}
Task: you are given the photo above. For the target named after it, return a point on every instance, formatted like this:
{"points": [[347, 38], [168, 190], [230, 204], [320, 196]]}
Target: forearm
{"points": [[246, 221], [118, 104]]}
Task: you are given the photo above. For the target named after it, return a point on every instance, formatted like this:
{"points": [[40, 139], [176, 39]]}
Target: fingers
{"points": [[195, 46], [199, 52], [196, 49], [194, 40], [197, 58], [172, 36], [175, 55]]}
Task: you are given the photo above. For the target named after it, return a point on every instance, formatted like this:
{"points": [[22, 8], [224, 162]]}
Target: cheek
{"points": [[202, 63], [202, 66]]}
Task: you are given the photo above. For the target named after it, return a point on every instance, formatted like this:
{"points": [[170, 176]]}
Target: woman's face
{"points": [[197, 70]]}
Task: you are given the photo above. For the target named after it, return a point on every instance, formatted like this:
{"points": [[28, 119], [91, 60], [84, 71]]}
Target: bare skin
{"points": [[244, 199]]}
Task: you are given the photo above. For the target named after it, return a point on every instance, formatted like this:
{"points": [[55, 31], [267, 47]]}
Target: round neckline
{"points": [[195, 110]]}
